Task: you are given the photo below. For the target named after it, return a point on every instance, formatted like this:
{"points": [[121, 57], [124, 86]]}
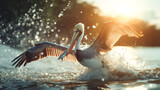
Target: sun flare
{"points": [[123, 9], [119, 7]]}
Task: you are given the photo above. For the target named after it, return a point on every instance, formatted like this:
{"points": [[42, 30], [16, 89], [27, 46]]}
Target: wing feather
{"points": [[42, 50], [111, 33]]}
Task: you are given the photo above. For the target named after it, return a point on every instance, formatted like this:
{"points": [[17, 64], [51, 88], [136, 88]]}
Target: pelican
{"points": [[90, 57]]}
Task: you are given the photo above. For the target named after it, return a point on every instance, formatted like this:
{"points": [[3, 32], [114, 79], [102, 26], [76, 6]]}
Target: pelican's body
{"points": [[89, 57]]}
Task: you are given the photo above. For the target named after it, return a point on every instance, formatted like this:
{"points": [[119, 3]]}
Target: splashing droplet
{"points": [[61, 14], [51, 5], [52, 30], [56, 35], [94, 26], [42, 53], [86, 37]]}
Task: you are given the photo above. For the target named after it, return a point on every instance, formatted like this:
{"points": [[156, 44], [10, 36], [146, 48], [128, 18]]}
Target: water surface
{"points": [[130, 68]]}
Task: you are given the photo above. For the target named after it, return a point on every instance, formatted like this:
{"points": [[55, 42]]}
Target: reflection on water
{"points": [[139, 57], [130, 68]]}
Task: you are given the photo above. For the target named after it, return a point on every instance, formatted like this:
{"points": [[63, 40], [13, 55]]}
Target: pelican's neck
{"points": [[79, 42]]}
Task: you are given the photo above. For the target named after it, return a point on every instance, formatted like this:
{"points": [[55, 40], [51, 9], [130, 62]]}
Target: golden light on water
{"points": [[126, 52], [128, 55], [142, 87]]}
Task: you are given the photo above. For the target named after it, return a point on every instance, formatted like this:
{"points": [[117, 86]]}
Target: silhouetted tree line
{"points": [[26, 22]]}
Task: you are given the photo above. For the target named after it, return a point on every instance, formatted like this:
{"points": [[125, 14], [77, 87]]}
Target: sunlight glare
{"points": [[123, 9], [119, 7], [142, 87], [128, 54]]}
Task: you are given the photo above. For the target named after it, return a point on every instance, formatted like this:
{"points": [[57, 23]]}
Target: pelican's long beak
{"points": [[74, 39]]}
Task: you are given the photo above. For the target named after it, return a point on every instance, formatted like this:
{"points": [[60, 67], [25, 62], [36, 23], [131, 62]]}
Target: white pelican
{"points": [[89, 57]]}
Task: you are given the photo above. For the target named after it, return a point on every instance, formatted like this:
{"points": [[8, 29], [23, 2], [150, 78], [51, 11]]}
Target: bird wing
{"points": [[42, 50], [110, 34]]}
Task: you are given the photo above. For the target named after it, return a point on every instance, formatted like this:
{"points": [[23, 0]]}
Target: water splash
{"points": [[124, 63], [31, 28], [54, 69]]}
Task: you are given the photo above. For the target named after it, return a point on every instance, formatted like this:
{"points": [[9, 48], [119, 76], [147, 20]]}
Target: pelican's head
{"points": [[77, 37], [79, 26]]}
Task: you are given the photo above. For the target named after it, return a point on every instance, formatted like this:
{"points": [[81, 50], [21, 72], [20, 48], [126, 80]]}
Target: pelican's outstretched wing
{"points": [[110, 34], [42, 50]]}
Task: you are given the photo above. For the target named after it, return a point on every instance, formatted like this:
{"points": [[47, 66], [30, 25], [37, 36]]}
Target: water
{"points": [[130, 68]]}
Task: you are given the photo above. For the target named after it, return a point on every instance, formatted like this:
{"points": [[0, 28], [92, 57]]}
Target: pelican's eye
{"points": [[78, 30]]}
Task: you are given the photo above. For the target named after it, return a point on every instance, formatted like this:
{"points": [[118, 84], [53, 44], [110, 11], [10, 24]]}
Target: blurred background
{"points": [[26, 22]]}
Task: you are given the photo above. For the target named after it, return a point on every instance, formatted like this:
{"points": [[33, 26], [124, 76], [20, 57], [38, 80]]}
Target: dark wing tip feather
{"points": [[17, 57], [19, 61], [25, 63]]}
